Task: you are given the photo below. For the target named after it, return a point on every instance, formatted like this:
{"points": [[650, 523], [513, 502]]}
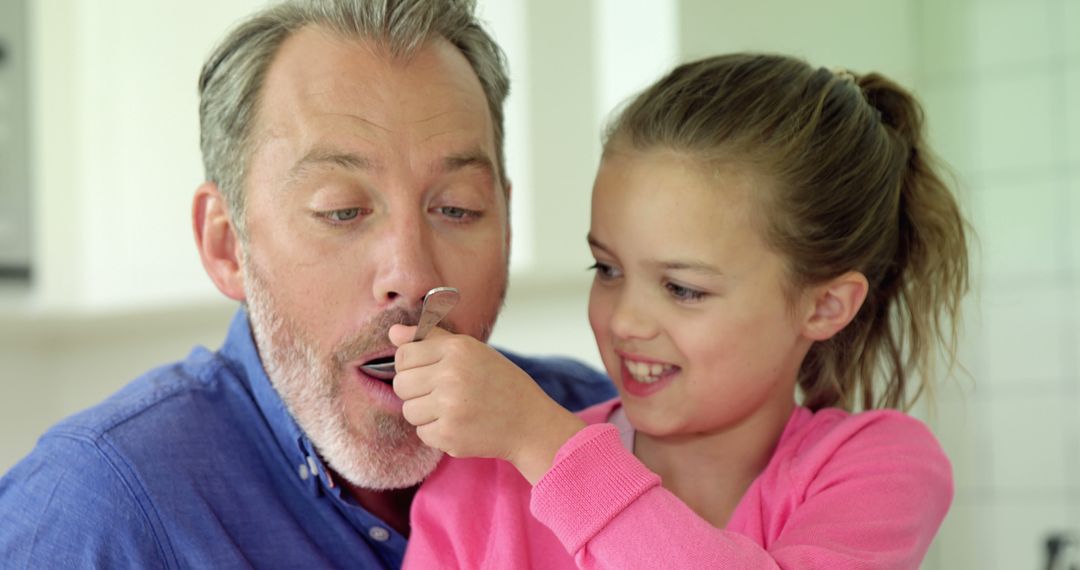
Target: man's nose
{"points": [[407, 262]]}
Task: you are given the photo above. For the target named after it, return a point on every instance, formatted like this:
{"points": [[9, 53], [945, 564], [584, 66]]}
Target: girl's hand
{"points": [[470, 401]]}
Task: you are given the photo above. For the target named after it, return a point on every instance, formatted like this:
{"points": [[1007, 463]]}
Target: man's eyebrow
{"points": [[332, 157], [474, 157]]}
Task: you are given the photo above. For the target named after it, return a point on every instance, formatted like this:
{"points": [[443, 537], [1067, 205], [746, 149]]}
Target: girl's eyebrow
{"points": [[693, 265], [688, 265], [593, 242]]}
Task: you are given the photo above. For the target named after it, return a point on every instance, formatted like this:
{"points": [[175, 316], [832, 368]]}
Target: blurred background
{"points": [[99, 279]]}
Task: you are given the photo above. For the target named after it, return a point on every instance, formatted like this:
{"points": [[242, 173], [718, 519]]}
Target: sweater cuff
{"points": [[592, 480]]}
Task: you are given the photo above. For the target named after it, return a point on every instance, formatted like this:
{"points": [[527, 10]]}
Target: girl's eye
{"points": [[344, 215], [682, 293], [457, 213], [604, 271]]}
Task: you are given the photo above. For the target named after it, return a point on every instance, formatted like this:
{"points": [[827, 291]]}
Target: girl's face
{"points": [[688, 305]]}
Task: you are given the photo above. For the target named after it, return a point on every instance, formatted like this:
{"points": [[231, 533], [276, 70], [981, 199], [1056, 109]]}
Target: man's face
{"points": [[372, 181]]}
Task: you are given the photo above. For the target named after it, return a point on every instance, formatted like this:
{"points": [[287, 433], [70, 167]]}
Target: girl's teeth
{"points": [[645, 372]]}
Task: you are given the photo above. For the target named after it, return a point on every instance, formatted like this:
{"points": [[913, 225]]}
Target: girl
{"points": [[765, 233]]}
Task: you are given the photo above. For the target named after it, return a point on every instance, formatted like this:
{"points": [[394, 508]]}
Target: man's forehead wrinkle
{"points": [[358, 118], [437, 134], [436, 116], [345, 160]]}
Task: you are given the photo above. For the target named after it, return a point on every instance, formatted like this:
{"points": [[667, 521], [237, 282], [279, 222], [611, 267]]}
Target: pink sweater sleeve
{"points": [[870, 495]]}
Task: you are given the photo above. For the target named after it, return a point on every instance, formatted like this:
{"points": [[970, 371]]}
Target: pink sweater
{"points": [[841, 491]]}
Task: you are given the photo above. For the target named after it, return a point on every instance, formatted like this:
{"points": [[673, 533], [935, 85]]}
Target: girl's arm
{"points": [[871, 493], [873, 498]]}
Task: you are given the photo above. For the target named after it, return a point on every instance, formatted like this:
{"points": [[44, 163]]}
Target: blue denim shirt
{"points": [[198, 464]]}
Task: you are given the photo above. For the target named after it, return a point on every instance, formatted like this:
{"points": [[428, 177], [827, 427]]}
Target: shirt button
{"points": [[379, 534], [303, 471], [312, 467]]}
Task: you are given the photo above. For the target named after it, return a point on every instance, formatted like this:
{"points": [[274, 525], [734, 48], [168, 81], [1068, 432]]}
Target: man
{"points": [[353, 152]]}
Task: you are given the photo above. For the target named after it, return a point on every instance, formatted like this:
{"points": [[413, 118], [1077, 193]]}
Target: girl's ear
{"points": [[219, 246], [834, 304]]}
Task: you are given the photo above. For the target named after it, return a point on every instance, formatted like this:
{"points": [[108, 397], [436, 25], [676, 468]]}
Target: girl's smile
{"points": [[642, 377]]}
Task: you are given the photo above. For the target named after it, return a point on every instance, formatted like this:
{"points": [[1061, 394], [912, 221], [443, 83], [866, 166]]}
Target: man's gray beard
{"points": [[376, 450]]}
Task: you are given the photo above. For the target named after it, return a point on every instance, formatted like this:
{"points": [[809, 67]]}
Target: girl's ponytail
{"points": [[930, 275]]}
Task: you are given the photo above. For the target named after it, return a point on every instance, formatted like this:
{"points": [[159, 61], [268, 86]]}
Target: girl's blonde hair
{"points": [[853, 187]]}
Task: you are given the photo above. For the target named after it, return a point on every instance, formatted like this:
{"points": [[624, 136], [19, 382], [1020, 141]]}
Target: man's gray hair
{"points": [[232, 78]]}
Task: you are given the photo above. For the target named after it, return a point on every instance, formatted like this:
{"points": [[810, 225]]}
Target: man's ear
{"points": [[218, 243], [509, 226], [834, 304]]}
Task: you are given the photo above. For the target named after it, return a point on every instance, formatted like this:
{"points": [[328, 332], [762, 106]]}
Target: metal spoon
{"points": [[437, 303]]}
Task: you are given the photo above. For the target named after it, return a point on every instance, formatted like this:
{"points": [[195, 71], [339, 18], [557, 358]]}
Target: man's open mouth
{"points": [[381, 368]]}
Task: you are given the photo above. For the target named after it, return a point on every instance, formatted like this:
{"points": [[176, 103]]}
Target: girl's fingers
{"points": [[401, 334], [418, 412], [417, 355]]}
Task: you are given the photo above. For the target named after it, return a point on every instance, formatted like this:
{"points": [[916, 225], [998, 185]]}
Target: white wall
{"points": [[1001, 81], [856, 34]]}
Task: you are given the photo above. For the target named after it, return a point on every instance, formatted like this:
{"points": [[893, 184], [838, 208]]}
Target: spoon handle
{"points": [[437, 302]]}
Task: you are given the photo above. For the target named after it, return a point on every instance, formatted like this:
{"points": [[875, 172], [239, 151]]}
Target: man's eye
{"points": [[457, 213], [344, 215]]}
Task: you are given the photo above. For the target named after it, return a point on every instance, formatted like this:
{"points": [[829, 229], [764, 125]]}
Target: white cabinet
{"points": [[14, 171], [114, 152]]}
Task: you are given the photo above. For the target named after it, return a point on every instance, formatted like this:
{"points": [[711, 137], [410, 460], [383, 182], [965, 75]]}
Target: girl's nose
{"points": [[630, 318]]}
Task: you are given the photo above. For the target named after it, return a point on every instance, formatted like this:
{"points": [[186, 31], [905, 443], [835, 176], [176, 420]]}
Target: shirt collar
{"points": [[304, 463]]}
